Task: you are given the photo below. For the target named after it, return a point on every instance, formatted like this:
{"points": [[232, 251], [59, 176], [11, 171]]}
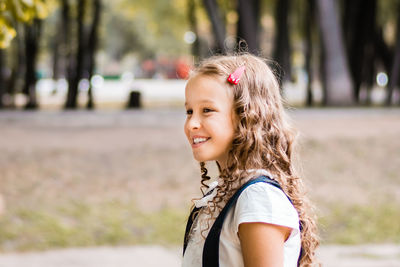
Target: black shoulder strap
{"points": [[211, 245], [192, 217], [190, 221]]}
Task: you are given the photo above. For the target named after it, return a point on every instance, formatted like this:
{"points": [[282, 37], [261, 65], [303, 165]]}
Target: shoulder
{"points": [[265, 203]]}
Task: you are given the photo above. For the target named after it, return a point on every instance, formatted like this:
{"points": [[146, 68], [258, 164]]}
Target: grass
{"points": [[117, 223], [357, 224], [82, 224]]}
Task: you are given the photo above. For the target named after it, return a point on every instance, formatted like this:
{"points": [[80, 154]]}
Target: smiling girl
{"points": [[256, 214]]}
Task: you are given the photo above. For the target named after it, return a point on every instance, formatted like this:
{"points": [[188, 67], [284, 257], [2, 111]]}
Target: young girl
{"points": [[235, 117]]}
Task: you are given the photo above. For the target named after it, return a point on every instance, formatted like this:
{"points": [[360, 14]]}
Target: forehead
{"points": [[207, 88]]}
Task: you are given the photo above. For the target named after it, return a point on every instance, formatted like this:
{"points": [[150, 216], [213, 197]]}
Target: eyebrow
{"points": [[204, 101]]}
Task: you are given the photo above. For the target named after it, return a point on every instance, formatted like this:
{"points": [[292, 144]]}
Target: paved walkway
{"points": [[146, 256], [360, 256], [156, 256]]}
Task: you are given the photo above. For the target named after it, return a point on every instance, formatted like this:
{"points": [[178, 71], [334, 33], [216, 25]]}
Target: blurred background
{"points": [[93, 156]]}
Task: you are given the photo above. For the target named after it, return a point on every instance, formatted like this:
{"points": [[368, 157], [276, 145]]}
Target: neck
{"points": [[220, 166]]}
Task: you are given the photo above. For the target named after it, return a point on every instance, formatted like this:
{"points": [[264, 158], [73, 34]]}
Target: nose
{"points": [[193, 123]]}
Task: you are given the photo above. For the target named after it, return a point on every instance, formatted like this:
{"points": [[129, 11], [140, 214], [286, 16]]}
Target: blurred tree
{"points": [[152, 29], [386, 19], [82, 59], [217, 23], [147, 29], [92, 47], [2, 76], [76, 69], [191, 9], [282, 52], [124, 37], [30, 13], [32, 37], [308, 49], [359, 26], [60, 44], [248, 24], [22, 11], [7, 32], [338, 84], [394, 78], [15, 79]]}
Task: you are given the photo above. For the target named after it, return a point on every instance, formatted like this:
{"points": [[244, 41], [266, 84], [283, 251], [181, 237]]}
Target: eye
{"points": [[207, 110], [189, 112]]}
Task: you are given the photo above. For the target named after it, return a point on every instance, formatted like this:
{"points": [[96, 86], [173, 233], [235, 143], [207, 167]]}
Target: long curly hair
{"points": [[263, 140]]}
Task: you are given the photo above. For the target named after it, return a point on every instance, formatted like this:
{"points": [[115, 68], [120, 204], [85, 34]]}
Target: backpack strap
{"points": [[192, 217], [211, 245], [190, 221]]}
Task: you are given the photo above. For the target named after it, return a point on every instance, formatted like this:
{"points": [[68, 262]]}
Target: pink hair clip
{"points": [[234, 77]]}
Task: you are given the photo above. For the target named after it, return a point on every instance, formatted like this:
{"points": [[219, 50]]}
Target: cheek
{"points": [[185, 129], [230, 132], [225, 131]]}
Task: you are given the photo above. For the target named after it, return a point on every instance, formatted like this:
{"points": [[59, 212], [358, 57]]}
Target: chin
{"points": [[201, 158]]}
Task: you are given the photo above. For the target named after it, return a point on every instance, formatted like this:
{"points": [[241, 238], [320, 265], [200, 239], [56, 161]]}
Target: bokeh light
{"points": [[382, 79]]}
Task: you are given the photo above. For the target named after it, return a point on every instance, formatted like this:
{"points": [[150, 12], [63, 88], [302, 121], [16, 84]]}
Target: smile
{"points": [[199, 140]]}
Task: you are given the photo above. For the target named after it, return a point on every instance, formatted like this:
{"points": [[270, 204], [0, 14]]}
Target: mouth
{"points": [[199, 140]]}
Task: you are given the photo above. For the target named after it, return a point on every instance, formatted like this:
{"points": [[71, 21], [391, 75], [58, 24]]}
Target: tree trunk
{"points": [[353, 39], [395, 70], [2, 78], [92, 46], [309, 21], [359, 28], [13, 83], [193, 27], [248, 24], [384, 53], [56, 58], [282, 49], [66, 56], [217, 23], [59, 44], [368, 17], [77, 72], [338, 80], [32, 36], [17, 68], [322, 69]]}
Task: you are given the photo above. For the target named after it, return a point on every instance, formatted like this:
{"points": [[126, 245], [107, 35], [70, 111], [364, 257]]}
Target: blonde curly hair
{"points": [[263, 140]]}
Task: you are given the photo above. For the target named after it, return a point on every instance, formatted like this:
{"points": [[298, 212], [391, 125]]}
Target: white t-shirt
{"points": [[260, 202]]}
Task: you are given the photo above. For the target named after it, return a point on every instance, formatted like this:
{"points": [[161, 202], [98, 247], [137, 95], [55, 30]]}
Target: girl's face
{"points": [[209, 124]]}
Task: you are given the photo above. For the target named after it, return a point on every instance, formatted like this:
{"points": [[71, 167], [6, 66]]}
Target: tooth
{"points": [[199, 140]]}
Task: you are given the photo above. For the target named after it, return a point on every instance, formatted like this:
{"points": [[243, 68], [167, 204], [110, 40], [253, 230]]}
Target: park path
{"points": [[387, 255]]}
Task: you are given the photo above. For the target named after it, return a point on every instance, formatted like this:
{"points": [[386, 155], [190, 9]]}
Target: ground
{"points": [[81, 174], [155, 256]]}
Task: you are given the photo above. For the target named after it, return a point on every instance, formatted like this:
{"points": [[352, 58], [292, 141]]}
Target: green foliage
{"points": [[387, 11], [147, 27], [19, 11], [7, 32]]}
